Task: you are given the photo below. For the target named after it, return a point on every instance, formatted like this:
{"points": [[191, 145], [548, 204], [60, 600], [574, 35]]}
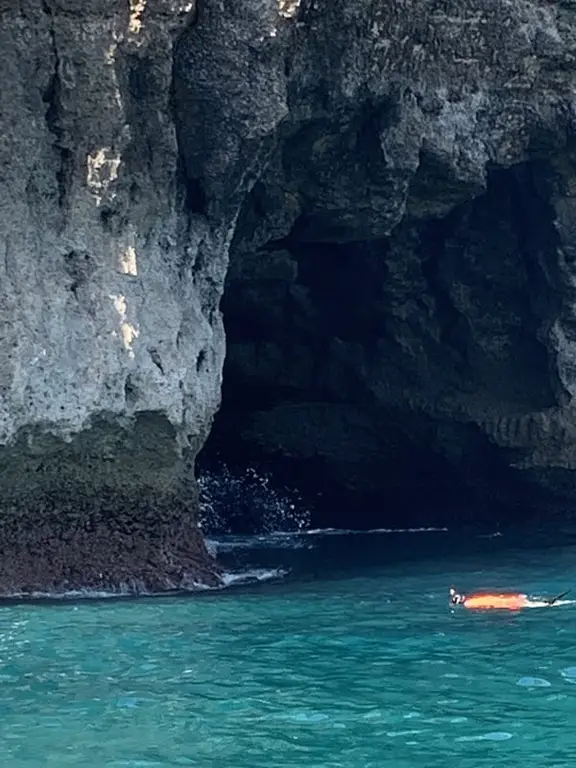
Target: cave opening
{"points": [[361, 372]]}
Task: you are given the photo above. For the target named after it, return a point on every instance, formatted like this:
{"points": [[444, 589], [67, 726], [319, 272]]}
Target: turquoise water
{"points": [[353, 660]]}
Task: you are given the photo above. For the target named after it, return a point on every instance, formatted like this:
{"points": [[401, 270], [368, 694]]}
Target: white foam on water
{"points": [[211, 546], [134, 587], [354, 532], [306, 717], [229, 543], [534, 682], [252, 575], [569, 674], [492, 736], [76, 594], [297, 539], [228, 579], [198, 586]]}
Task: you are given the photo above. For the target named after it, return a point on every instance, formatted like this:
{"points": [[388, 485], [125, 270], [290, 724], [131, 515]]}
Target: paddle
{"points": [[558, 597]]}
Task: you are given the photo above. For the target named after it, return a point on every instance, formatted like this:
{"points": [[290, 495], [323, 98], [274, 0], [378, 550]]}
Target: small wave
{"points": [[534, 682], [492, 736], [228, 579], [130, 588], [354, 532], [80, 594], [219, 545], [297, 539], [252, 576], [72, 594]]}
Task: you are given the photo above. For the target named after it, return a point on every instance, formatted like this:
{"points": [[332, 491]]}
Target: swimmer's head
{"points": [[455, 598]]}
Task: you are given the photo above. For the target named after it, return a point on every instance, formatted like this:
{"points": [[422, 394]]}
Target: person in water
{"points": [[507, 601]]}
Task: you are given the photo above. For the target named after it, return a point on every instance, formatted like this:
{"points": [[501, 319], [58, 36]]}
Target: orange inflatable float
{"points": [[511, 601]]}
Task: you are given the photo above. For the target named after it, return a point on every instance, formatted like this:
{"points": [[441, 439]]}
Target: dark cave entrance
{"points": [[353, 367]]}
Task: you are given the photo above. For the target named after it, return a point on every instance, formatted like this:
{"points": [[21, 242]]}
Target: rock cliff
{"points": [[111, 342], [400, 302], [394, 183]]}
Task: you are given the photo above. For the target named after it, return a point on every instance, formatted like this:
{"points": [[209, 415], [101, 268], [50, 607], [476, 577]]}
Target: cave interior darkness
{"points": [[336, 349]]}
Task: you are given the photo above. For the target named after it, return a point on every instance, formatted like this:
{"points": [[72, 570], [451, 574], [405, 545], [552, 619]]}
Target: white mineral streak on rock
{"points": [[137, 8], [288, 8], [102, 170]]}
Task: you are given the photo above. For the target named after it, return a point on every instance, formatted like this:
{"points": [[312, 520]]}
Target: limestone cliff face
{"points": [[394, 182], [400, 302], [111, 342]]}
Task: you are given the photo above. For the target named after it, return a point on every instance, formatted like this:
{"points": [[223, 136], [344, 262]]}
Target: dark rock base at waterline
{"points": [[59, 556]]}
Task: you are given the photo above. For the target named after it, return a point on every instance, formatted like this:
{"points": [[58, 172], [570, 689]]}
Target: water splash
{"points": [[248, 502], [252, 576]]}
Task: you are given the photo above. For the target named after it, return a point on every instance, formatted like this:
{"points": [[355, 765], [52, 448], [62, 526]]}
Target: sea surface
{"points": [[327, 650]]}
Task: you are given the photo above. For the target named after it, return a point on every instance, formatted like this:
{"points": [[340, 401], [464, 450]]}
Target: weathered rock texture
{"points": [[397, 181], [111, 342], [400, 307]]}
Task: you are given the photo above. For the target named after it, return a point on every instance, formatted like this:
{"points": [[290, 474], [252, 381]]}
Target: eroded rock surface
{"points": [[111, 345], [400, 303], [397, 183]]}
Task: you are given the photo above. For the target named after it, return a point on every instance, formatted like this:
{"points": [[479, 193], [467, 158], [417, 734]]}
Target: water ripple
{"points": [[342, 672]]}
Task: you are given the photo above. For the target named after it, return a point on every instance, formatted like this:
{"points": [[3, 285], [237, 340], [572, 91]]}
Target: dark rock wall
{"points": [[395, 185], [399, 303], [367, 369]]}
